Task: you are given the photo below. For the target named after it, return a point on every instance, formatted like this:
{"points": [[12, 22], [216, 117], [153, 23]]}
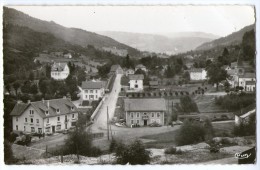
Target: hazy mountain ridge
{"points": [[72, 35], [231, 39], [173, 43]]}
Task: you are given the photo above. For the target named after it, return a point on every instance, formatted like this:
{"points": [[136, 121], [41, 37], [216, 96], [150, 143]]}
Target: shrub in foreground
{"points": [[173, 150]]}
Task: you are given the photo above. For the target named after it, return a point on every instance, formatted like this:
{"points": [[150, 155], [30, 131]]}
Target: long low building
{"points": [[144, 111], [46, 116]]}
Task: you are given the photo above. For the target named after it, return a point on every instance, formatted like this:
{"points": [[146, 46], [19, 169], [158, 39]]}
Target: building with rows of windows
{"points": [[144, 111], [60, 71], [92, 90], [46, 116]]}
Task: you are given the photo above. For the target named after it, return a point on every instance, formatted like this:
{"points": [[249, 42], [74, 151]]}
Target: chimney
{"points": [[28, 101]]}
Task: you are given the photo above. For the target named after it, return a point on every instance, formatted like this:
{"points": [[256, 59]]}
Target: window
{"points": [[137, 114], [39, 130], [46, 112], [86, 96], [91, 91], [137, 121], [24, 128], [96, 96], [32, 129], [16, 127], [58, 110], [16, 119], [86, 91], [135, 81], [132, 121], [25, 119], [72, 108], [132, 115], [152, 120], [96, 91], [37, 121], [58, 119], [158, 114], [47, 120], [72, 116], [47, 129], [31, 112], [158, 121], [152, 114], [58, 127], [31, 120]]}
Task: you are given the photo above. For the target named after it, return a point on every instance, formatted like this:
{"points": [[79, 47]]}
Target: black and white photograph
{"points": [[129, 85]]}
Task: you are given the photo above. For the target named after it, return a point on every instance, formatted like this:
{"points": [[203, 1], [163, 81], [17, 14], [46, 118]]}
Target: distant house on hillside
{"points": [[68, 55], [46, 116], [136, 81], [116, 69], [60, 71], [116, 51], [92, 90], [140, 66], [144, 111], [198, 74], [129, 72]]}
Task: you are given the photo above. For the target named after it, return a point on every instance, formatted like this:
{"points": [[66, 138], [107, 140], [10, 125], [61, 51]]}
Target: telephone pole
{"points": [[107, 125]]}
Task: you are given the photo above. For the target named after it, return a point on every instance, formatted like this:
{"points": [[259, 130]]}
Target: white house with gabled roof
{"points": [[46, 116], [60, 71], [136, 82], [92, 90]]}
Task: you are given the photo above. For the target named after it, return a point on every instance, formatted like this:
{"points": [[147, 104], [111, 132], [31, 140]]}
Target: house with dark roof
{"points": [[116, 69], [92, 90], [144, 111], [136, 82], [46, 116], [60, 71]]}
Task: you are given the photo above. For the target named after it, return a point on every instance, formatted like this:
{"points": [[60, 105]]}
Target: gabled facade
{"points": [[136, 82], [144, 111], [92, 90], [198, 74], [60, 71], [46, 116], [129, 72]]}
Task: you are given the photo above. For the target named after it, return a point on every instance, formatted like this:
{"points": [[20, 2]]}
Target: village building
{"points": [[198, 74], [68, 55], [60, 71], [144, 111], [154, 84], [116, 69], [92, 90], [129, 72], [46, 116], [136, 82], [247, 81], [140, 66]]}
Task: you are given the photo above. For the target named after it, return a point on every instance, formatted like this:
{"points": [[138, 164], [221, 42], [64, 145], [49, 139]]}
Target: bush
{"points": [[246, 129], [133, 154], [173, 150], [8, 153], [190, 133]]}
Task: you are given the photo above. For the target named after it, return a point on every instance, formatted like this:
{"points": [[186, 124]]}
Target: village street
{"points": [[100, 121]]}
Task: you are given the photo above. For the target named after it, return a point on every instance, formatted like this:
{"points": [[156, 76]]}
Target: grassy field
{"points": [[224, 129], [207, 103], [162, 140]]}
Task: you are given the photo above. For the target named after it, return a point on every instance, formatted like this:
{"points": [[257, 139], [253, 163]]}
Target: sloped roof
{"points": [[18, 109], [58, 66], [153, 83], [64, 105], [140, 66], [92, 85], [197, 70], [248, 75], [136, 77], [157, 104]]}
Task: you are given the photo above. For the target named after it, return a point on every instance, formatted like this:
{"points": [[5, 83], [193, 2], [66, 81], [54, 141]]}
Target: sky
{"points": [[218, 20]]}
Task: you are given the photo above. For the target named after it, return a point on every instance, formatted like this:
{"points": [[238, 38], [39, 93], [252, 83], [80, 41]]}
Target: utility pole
{"points": [[107, 125]]}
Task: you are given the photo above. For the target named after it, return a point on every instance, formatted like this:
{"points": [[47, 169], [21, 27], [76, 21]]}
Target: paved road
{"points": [[100, 122]]}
